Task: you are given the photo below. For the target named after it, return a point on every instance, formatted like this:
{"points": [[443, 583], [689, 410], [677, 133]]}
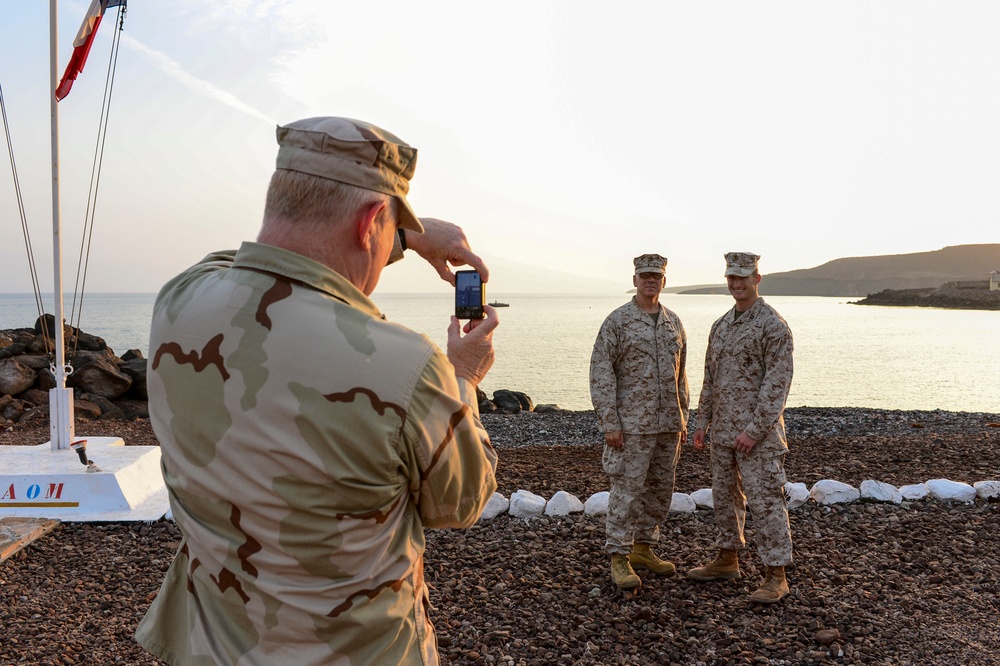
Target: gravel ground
{"points": [[871, 584]]}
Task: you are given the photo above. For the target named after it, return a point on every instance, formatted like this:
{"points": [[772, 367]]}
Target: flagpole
{"points": [[60, 398]]}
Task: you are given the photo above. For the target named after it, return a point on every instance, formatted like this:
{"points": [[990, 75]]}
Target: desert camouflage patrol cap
{"points": [[741, 264], [352, 152], [650, 263]]}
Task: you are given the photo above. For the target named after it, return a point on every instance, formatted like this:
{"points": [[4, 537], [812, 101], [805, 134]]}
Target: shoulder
{"points": [[771, 317], [673, 317], [620, 314]]}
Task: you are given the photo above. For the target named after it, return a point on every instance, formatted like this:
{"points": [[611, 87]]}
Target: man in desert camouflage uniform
{"points": [[748, 371], [307, 442], [639, 389]]}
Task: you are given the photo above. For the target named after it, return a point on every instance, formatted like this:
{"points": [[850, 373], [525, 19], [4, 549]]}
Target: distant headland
{"points": [[934, 273], [973, 295]]}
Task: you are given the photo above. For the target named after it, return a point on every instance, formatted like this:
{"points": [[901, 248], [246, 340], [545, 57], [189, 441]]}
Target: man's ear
{"points": [[365, 224]]}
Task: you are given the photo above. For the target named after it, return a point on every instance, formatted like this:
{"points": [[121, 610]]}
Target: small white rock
{"points": [[703, 498], [495, 506], [682, 503], [796, 494], [563, 504], [878, 491], [916, 491], [526, 504], [955, 491], [829, 491], [987, 489], [597, 504]]}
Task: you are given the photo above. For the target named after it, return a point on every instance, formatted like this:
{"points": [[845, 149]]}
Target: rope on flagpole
{"points": [[32, 267], [95, 179]]}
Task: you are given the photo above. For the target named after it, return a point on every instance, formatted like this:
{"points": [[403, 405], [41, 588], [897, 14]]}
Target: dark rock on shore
{"points": [[104, 385], [972, 295]]}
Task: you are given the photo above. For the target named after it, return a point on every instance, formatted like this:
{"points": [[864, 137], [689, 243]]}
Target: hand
{"points": [[472, 354], [444, 243], [744, 444], [614, 439], [699, 439]]}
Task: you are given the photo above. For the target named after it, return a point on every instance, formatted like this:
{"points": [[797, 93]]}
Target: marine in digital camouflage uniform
{"points": [[639, 389], [748, 373], [306, 441]]}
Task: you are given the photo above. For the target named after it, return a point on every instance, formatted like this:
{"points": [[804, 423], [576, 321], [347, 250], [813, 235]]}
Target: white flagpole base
{"points": [[61, 415], [126, 484]]}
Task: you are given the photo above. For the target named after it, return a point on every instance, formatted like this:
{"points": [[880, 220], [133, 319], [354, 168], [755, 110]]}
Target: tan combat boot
{"points": [[725, 566], [643, 557], [622, 573], [775, 587]]}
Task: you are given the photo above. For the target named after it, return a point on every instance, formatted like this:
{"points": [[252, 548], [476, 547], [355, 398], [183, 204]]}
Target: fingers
{"points": [[453, 327], [443, 245]]}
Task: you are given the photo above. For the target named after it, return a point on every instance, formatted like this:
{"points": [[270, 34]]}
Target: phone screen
{"points": [[470, 295]]}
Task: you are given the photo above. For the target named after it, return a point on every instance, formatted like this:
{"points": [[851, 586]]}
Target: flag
{"points": [[82, 43]]}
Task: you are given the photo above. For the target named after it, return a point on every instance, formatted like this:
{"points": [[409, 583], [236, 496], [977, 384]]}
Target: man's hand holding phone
{"points": [[472, 354]]}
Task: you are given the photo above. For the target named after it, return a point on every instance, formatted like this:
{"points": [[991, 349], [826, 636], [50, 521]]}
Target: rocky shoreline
{"points": [[916, 583], [971, 295]]}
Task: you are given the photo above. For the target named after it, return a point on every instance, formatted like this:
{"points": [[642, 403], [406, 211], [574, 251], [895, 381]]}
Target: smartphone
{"points": [[470, 295]]}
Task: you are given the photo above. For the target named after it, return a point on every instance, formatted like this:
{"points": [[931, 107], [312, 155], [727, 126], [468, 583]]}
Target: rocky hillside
{"points": [[859, 276]]}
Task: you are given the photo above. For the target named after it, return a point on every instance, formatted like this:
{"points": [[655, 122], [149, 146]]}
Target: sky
{"points": [[564, 136]]}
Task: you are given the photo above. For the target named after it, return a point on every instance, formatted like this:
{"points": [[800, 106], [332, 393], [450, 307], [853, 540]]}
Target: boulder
{"points": [[496, 505], [132, 354], [109, 410], [11, 408], [796, 494], [135, 368], [829, 491], [878, 491], [103, 378], [682, 503], [15, 376], [987, 490], [916, 491], [951, 491], [563, 504], [84, 409], [133, 409], [703, 498], [506, 401], [526, 504], [597, 504]]}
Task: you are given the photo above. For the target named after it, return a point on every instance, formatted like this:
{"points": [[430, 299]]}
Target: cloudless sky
{"points": [[565, 136]]}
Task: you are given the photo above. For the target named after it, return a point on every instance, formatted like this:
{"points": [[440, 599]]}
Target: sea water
{"points": [[845, 355]]}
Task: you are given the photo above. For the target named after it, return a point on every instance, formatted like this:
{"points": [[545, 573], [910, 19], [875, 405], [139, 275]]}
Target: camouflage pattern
{"points": [[306, 444], [741, 264], [650, 263], [762, 479], [748, 373], [642, 486], [638, 382], [638, 385], [353, 152]]}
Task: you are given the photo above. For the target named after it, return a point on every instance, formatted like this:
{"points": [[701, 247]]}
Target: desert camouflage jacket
{"points": [[638, 382], [748, 372], [306, 443]]}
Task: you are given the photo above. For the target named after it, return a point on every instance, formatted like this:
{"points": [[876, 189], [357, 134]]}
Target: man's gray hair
{"points": [[303, 198]]}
